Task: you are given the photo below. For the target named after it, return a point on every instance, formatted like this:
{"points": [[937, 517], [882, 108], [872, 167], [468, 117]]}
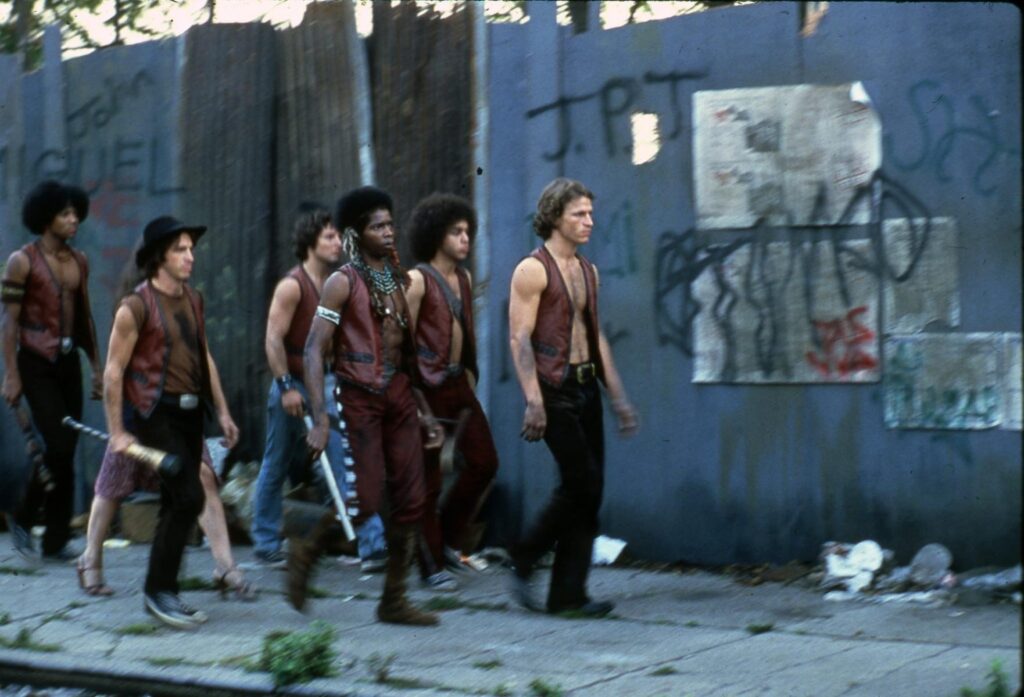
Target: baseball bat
{"points": [[332, 486], [34, 448], [164, 463]]}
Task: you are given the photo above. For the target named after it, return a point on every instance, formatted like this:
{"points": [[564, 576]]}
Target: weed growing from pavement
{"points": [[664, 670], [692, 623], [5, 618], [488, 665], [996, 685], [24, 640], [138, 629], [502, 690], [760, 628], [194, 583], [380, 666], [56, 616], [299, 656], [18, 571], [541, 688]]}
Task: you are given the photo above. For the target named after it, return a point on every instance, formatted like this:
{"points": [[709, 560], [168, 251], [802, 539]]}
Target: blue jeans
{"points": [[286, 452]]}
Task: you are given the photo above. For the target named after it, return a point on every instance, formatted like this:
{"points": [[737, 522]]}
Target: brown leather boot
{"points": [[394, 607], [303, 554]]}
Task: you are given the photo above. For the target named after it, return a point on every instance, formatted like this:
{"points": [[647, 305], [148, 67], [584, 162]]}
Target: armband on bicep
{"points": [[328, 314], [11, 292]]}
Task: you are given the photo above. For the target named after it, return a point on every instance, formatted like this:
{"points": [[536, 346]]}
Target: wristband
{"points": [[285, 383]]}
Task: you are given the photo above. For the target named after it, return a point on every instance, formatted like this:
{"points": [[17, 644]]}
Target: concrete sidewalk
{"points": [[693, 633]]}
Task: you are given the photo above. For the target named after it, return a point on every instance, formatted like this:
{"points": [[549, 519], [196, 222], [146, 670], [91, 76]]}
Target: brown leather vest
{"points": [[295, 339], [434, 330], [552, 333], [358, 344], [147, 368], [42, 316]]}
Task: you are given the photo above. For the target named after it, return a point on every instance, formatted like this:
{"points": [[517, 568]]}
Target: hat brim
{"points": [[142, 256]]}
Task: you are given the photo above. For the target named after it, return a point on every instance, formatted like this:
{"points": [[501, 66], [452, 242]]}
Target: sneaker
{"points": [[589, 609], [375, 563], [441, 581], [197, 616], [523, 592], [167, 608], [454, 561], [274, 559], [64, 555]]}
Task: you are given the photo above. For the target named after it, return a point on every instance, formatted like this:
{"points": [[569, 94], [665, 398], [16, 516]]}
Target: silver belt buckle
{"points": [[188, 402], [67, 344]]}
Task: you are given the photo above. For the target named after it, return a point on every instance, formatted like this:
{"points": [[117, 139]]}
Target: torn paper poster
{"points": [[786, 312], [793, 155], [922, 286], [946, 381]]}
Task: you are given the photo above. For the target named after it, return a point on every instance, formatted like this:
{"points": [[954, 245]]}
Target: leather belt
{"points": [[185, 402], [582, 373]]}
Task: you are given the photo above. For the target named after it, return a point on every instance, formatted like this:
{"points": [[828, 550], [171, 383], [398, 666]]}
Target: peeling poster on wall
{"points": [[923, 288], [792, 155], [781, 312], [952, 381]]}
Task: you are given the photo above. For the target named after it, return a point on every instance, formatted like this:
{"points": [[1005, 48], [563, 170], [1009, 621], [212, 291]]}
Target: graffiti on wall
{"points": [[615, 101], [952, 381], [805, 309], [944, 128]]}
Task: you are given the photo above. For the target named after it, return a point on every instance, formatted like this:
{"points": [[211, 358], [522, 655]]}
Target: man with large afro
{"points": [[47, 317]]}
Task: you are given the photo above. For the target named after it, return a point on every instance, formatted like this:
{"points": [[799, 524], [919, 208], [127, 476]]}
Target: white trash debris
{"points": [[606, 550], [931, 563]]}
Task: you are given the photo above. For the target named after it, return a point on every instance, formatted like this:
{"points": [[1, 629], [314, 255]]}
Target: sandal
{"points": [[233, 580], [98, 588]]}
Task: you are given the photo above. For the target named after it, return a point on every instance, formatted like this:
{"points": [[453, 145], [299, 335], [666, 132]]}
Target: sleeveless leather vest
{"points": [[295, 339], [41, 319], [434, 330], [552, 333], [147, 369], [358, 344]]}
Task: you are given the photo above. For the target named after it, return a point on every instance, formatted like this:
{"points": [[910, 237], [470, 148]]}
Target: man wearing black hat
{"points": [[159, 338], [45, 293], [363, 313]]}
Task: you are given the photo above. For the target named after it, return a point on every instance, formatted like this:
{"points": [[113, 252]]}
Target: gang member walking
{"points": [[317, 246], [159, 340], [440, 296], [46, 296], [363, 312], [560, 354]]}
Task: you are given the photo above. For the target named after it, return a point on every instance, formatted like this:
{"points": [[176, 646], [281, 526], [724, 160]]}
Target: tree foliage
{"points": [[83, 26]]}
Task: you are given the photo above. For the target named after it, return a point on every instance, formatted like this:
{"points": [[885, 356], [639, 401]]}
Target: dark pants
{"points": [[53, 391], [179, 432], [575, 436], [480, 462], [384, 432]]}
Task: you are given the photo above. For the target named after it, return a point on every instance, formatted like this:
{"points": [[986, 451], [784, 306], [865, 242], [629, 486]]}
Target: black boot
{"points": [[303, 554], [394, 607]]}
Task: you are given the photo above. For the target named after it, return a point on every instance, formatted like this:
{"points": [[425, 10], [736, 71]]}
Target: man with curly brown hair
{"points": [[560, 355]]}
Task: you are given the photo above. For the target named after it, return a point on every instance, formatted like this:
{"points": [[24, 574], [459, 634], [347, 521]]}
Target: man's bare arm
{"points": [[220, 404], [279, 319], [624, 411], [414, 296], [15, 274], [332, 302], [123, 336], [528, 282]]}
